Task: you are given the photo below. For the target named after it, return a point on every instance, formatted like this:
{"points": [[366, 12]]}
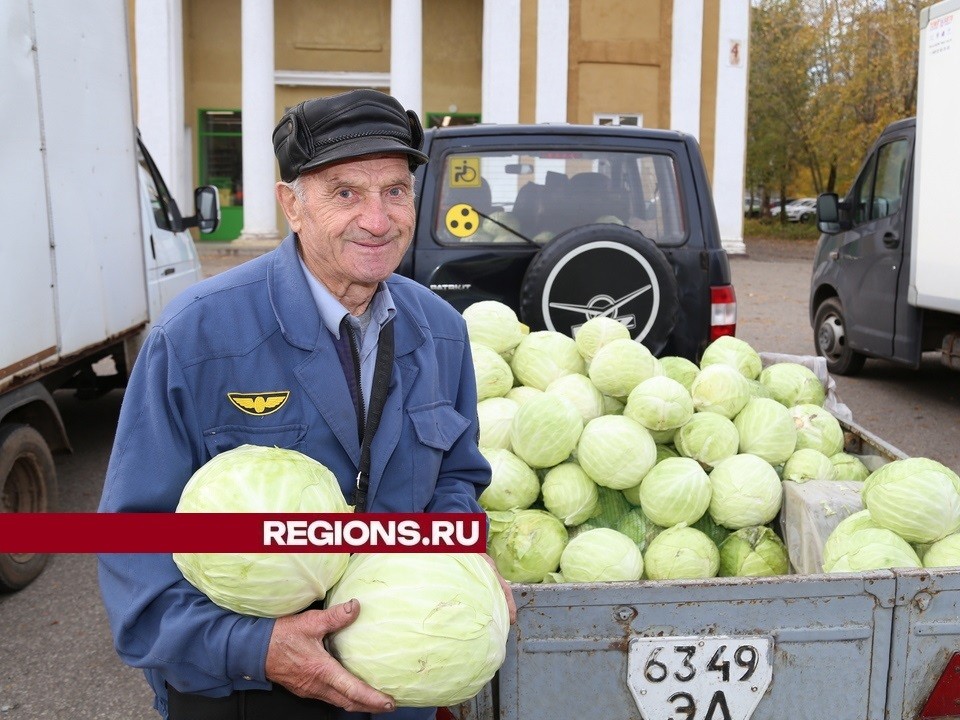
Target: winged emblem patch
{"points": [[262, 403]]}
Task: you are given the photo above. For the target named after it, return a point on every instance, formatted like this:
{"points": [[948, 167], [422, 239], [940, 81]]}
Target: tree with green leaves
{"points": [[826, 76]]}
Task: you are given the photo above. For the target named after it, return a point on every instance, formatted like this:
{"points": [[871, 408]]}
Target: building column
{"points": [[158, 32], [406, 53], [686, 67], [500, 74], [257, 105], [729, 158], [553, 43]]}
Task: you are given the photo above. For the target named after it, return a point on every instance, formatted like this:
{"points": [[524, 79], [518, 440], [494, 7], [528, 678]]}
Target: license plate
{"points": [[699, 678]]}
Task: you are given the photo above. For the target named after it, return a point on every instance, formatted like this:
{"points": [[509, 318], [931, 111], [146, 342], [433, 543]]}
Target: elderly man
{"points": [[323, 317]]}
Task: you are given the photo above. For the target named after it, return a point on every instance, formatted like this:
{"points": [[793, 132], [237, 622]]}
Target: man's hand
{"points": [[297, 659], [507, 590]]}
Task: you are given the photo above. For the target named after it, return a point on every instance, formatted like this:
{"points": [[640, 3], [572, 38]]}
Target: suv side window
{"points": [[504, 197], [879, 190]]}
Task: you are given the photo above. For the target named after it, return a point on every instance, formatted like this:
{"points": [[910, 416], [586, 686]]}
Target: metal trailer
{"points": [[832, 647], [925, 652]]}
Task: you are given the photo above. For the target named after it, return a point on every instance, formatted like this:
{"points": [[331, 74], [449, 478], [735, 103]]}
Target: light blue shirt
{"points": [[381, 310]]}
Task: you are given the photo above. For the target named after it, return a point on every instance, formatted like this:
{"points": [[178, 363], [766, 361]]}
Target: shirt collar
{"points": [[332, 311]]}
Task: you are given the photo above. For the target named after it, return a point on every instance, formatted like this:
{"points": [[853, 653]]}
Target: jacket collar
{"points": [[296, 310]]}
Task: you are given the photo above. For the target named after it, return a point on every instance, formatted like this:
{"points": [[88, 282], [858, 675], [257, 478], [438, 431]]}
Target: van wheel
{"points": [[830, 336], [602, 269], [28, 483]]}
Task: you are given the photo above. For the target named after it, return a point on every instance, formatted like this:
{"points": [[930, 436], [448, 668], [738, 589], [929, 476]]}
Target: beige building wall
{"points": [[619, 57]]}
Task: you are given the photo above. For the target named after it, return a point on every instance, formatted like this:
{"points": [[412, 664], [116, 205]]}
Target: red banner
{"points": [[241, 532]]}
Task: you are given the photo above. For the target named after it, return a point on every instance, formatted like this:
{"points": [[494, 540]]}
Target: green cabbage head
{"points": [[495, 325], [681, 553], [251, 478], [615, 451], [817, 429], [917, 498], [545, 430], [943, 553], [837, 541], [526, 544], [753, 552], [621, 365], [601, 555], [808, 464], [708, 438], [494, 378], [581, 392], [720, 389], [513, 484], [732, 351], [432, 628], [679, 369], [793, 384], [569, 493], [659, 403], [597, 332], [873, 549], [746, 491], [676, 490], [766, 429], [543, 356], [496, 417], [849, 467]]}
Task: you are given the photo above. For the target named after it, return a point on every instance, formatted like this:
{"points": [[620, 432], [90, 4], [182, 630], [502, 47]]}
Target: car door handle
{"points": [[169, 271], [891, 240]]}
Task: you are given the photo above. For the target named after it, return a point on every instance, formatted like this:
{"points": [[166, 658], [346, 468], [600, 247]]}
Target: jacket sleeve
{"points": [[464, 472], [159, 621]]}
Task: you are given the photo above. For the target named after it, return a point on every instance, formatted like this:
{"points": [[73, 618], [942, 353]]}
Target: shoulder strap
{"points": [[378, 398]]}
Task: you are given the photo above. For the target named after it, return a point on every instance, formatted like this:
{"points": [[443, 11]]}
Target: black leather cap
{"points": [[350, 125]]}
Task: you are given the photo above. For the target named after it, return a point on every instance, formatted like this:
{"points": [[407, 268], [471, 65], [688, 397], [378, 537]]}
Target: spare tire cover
{"points": [[602, 269]]}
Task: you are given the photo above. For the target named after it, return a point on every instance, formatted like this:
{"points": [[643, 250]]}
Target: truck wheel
{"points": [[602, 269], [830, 336], [28, 483]]}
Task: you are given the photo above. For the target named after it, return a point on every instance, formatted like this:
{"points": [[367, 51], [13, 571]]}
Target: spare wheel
{"points": [[602, 270]]}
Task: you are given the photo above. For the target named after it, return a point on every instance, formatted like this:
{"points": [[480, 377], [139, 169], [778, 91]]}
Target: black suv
{"points": [[568, 222]]}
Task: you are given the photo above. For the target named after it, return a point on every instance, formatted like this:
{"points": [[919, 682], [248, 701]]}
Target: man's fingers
{"points": [[335, 617], [351, 693]]}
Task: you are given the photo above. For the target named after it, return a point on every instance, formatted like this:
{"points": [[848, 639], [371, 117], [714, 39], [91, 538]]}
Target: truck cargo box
{"points": [[72, 243]]}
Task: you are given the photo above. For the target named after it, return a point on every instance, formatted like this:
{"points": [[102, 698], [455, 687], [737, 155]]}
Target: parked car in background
{"points": [[799, 210], [752, 206]]}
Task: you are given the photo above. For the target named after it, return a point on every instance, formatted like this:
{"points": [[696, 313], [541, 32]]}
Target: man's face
{"points": [[355, 220]]}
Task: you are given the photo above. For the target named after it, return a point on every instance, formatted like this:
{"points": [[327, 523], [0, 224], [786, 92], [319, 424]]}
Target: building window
{"points": [[617, 119], [221, 159]]}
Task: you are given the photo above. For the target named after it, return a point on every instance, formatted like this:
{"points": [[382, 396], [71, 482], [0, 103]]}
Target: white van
{"points": [[885, 273], [93, 244]]}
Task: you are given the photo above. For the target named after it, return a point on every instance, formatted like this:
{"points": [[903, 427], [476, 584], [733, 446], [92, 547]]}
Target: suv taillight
{"points": [[723, 311]]}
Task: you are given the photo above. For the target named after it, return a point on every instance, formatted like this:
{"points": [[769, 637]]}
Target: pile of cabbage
{"points": [[609, 464]]}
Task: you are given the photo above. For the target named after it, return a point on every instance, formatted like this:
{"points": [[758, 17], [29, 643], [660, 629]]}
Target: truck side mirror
{"points": [[207, 202], [828, 213]]}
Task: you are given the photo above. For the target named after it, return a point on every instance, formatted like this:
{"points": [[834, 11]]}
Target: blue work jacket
{"points": [[255, 330]]}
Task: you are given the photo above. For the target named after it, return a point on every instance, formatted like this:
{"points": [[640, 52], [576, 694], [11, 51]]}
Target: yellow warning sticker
{"points": [[462, 220], [464, 172]]}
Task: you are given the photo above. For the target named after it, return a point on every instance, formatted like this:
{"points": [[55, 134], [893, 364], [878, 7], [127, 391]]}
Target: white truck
{"points": [[93, 243], [885, 274]]}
